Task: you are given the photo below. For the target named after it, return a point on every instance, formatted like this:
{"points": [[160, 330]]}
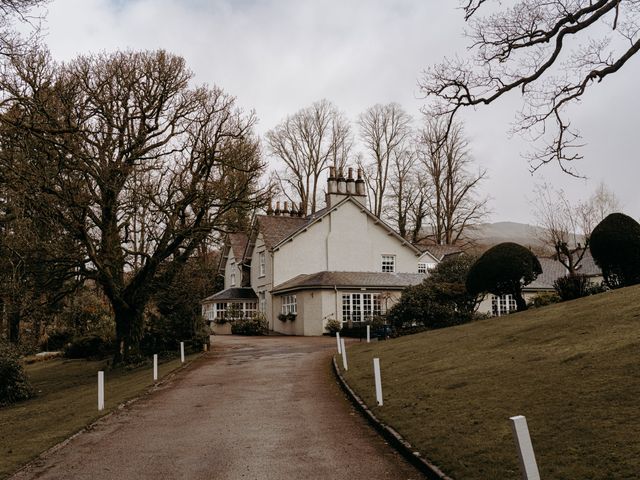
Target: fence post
{"points": [[528, 463], [155, 367], [338, 341], [368, 333], [378, 380], [100, 390], [344, 355], [182, 352]]}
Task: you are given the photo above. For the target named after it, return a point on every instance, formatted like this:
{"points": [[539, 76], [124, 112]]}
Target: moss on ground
{"points": [[573, 369]]}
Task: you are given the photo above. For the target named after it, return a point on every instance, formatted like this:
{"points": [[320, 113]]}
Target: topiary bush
{"points": [[615, 247], [90, 346], [250, 326], [14, 385], [504, 269]]}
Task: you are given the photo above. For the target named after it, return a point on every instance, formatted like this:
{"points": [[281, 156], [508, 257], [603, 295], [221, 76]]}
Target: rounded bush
{"points": [[615, 247], [14, 385], [504, 269]]}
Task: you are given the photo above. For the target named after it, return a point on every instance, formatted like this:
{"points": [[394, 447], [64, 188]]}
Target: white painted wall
{"points": [[233, 265], [345, 240]]}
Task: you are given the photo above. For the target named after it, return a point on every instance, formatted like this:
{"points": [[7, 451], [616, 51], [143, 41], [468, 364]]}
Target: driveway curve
{"points": [[253, 408]]}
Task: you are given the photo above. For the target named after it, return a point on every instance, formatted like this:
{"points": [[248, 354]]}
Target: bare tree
{"points": [[453, 204], [101, 125], [529, 47], [308, 142], [404, 191], [567, 226], [385, 131]]}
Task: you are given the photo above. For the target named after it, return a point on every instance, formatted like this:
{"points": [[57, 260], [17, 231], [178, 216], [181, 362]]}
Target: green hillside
{"points": [[572, 369]]}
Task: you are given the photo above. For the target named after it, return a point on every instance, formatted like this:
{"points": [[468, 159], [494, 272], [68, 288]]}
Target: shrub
{"points": [[283, 317], [90, 346], [333, 326], [164, 333], [56, 340], [571, 287], [544, 299], [615, 247], [14, 385], [504, 269], [250, 326], [441, 300]]}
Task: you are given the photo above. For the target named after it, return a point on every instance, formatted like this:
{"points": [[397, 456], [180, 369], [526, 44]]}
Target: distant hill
{"points": [[490, 234]]}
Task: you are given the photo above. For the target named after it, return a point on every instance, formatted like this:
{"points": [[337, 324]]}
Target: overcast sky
{"points": [[278, 56]]}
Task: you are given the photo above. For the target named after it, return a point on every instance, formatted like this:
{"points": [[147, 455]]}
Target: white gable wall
{"points": [[345, 240], [233, 266]]}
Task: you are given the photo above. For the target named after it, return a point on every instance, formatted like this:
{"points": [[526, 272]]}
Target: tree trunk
{"points": [[129, 324], [521, 304], [14, 322]]}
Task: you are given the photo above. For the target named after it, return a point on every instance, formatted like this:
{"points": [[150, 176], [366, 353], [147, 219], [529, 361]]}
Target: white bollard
{"points": [[368, 333], [182, 352], [344, 355], [155, 367], [378, 379], [525, 448], [100, 390], [338, 341]]}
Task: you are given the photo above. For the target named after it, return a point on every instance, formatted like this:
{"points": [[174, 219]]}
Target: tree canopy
{"points": [[134, 163], [615, 247], [550, 51], [504, 269]]}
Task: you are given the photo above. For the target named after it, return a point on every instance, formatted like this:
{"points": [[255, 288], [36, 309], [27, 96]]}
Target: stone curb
{"points": [[390, 435], [51, 450]]}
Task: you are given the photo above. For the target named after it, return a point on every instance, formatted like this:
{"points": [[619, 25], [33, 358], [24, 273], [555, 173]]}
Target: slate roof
{"points": [[551, 271], [233, 293], [388, 281], [440, 251], [276, 228], [238, 242]]}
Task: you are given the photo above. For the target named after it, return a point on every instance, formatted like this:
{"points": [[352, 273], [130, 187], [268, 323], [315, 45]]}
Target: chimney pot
{"points": [[342, 187], [277, 210], [285, 210]]}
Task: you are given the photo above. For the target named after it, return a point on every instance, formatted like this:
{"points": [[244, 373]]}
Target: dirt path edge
{"points": [[394, 439]]}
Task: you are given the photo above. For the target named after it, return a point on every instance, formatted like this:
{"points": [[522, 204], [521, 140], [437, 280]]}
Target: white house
{"points": [[341, 263]]}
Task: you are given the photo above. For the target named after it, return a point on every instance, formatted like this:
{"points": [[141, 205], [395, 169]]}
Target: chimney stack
{"points": [[270, 208], [342, 183], [360, 190], [285, 210], [277, 210], [332, 182], [351, 184]]}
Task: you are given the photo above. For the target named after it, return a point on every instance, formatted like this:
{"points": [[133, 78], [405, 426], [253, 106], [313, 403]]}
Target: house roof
{"points": [[274, 229], [232, 294], [439, 252], [320, 214], [551, 271], [238, 242], [385, 280]]}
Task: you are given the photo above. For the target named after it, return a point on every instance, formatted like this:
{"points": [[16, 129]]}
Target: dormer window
{"points": [[389, 263]]}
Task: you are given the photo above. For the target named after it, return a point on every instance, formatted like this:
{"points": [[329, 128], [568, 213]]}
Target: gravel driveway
{"points": [[253, 408]]}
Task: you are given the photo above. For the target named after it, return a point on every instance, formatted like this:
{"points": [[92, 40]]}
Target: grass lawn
{"points": [[572, 369], [66, 402]]}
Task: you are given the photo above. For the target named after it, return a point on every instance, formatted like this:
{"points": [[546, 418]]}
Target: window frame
{"points": [[388, 263], [262, 264], [289, 305]]}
